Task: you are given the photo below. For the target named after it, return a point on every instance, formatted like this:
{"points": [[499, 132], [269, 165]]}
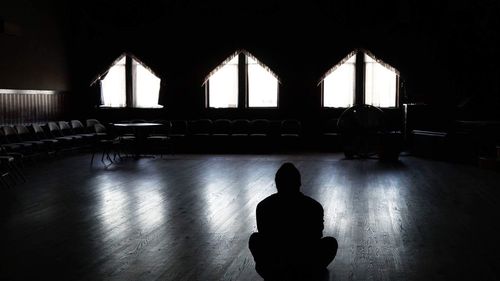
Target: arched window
{"points": [[142, 91], [360, 78], [241, 79]]}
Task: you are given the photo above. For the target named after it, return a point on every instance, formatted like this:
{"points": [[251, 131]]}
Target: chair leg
{"points": [[117, 153], [107, 155], [102, 157], [17, 171], [3, 181], [92, 159]]}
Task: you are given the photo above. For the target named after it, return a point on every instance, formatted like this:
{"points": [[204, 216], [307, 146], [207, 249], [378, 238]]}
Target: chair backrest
{"points": [[77, 126], [200, 126], [24, 133], [11, 134], [91, 122], [53, 126], [54, 129], [63, 125], [290, 126], [240, 126], [100, 128], [222, 126], [164, 129], [37, 128], [40, 133], [259, 126], [179, 127], [65, 128]]}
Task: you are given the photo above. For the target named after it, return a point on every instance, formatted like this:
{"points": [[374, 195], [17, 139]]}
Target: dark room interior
{"points": [[107, 177]]}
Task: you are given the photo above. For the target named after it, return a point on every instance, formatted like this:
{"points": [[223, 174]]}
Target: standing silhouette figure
{"points": [[289, 244]]}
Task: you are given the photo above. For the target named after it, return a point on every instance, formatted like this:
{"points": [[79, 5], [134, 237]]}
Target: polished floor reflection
{"points": [[188, 217]]}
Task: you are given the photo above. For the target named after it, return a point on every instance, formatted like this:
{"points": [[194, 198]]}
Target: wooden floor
{"points": [[188, 217]]}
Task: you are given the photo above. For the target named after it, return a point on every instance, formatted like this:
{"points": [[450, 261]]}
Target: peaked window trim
{"points": [[360, 79], [243, 90]]}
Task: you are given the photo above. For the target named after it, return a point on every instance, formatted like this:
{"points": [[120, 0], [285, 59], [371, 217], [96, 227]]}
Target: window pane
{"points": [[146, 86], [338, 86], [262, 86], [113, 86], [223, 86], [380, 84]]}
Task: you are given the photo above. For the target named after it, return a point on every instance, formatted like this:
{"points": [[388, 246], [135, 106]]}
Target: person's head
{"points": [[287, 179]]}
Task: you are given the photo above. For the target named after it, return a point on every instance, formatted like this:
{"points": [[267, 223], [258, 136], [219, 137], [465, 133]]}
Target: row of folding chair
{"points": [[240, 127], [225, 134], [35, 139]]}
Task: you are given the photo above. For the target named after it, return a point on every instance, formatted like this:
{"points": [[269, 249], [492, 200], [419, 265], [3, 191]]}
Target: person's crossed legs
{"points": [[273, 262]]}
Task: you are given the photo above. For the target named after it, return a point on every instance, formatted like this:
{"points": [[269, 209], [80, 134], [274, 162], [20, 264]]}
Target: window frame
{"points": [[100, 81], [360, 83], [397, 86], [129, 95], [355, 88], [243, 87]]}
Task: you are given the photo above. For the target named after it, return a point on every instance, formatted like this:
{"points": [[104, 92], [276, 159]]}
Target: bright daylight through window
{"points": [[224, 85], [145, 85], [262, 86], [113, 86], [338, 86], [379, 83]]}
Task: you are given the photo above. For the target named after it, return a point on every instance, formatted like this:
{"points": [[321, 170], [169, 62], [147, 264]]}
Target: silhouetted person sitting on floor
{"points": [[289, 243]]}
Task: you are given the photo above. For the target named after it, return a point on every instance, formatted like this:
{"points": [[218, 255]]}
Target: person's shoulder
{"points": [[268, 200], [311, 201]]}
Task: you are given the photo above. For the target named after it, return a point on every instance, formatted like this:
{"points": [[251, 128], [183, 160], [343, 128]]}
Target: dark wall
{"points": [[33, 52], [445, 50]]}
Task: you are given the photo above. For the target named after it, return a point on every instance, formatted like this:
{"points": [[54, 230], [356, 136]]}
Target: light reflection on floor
{"points": [[114, 213], [151, 212]]}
